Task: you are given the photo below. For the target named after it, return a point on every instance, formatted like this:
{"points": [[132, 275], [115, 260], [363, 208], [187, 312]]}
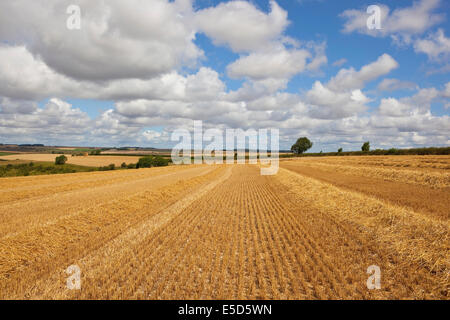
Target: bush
{"points": [[60, 159], [152, 161], [131, 166], [392, 151], [123, 165], [112, 166]]}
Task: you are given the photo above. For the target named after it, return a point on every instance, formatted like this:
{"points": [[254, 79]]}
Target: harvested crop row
{"points": [[46, 180], [35, 252], [422, 163], [251, 237], [420, 198], [122, 247], [222, 232], [427, 178], [18, 188], [416, 245], [29, 213]]}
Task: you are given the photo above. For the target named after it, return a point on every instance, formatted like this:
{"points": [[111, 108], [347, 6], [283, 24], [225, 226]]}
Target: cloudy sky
{"points": [[138, 69]]}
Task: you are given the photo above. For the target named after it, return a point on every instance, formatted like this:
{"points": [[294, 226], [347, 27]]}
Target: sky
{"points": [[132, 72]]}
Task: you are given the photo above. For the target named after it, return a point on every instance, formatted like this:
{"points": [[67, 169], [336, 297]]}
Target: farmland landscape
{"points": [[226, 232], [224, 158]]}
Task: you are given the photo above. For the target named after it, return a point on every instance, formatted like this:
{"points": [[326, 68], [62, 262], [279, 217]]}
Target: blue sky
{"points": [[231, 64], [316, 20]]}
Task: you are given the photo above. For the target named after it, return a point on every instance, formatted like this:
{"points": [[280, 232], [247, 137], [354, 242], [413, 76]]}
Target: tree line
{"points": [[303, 144]]}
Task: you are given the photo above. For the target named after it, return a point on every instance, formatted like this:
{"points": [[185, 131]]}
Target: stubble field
{"points": [[227, 232], [89, 161]]}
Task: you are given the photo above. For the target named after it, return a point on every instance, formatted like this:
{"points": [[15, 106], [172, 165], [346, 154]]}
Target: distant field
{"points": [[427, 162], [227, 232], [420, 182], [5, 153], [165, 153], [90, 161]]}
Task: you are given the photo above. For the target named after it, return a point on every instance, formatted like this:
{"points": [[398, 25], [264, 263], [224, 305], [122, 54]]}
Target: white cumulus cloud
{"points": [[242, 26]]}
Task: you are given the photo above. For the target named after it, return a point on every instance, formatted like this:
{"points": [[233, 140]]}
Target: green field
{"points": [[19, 168]]}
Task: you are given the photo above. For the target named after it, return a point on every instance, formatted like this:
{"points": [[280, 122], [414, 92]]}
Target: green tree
{"points": [[366, 146], [339, 150], [392, 151], [152, 161], [301, 145], [60, 159]]}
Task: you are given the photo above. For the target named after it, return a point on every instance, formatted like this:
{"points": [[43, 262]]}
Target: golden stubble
{"points": [[219, 232]]}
